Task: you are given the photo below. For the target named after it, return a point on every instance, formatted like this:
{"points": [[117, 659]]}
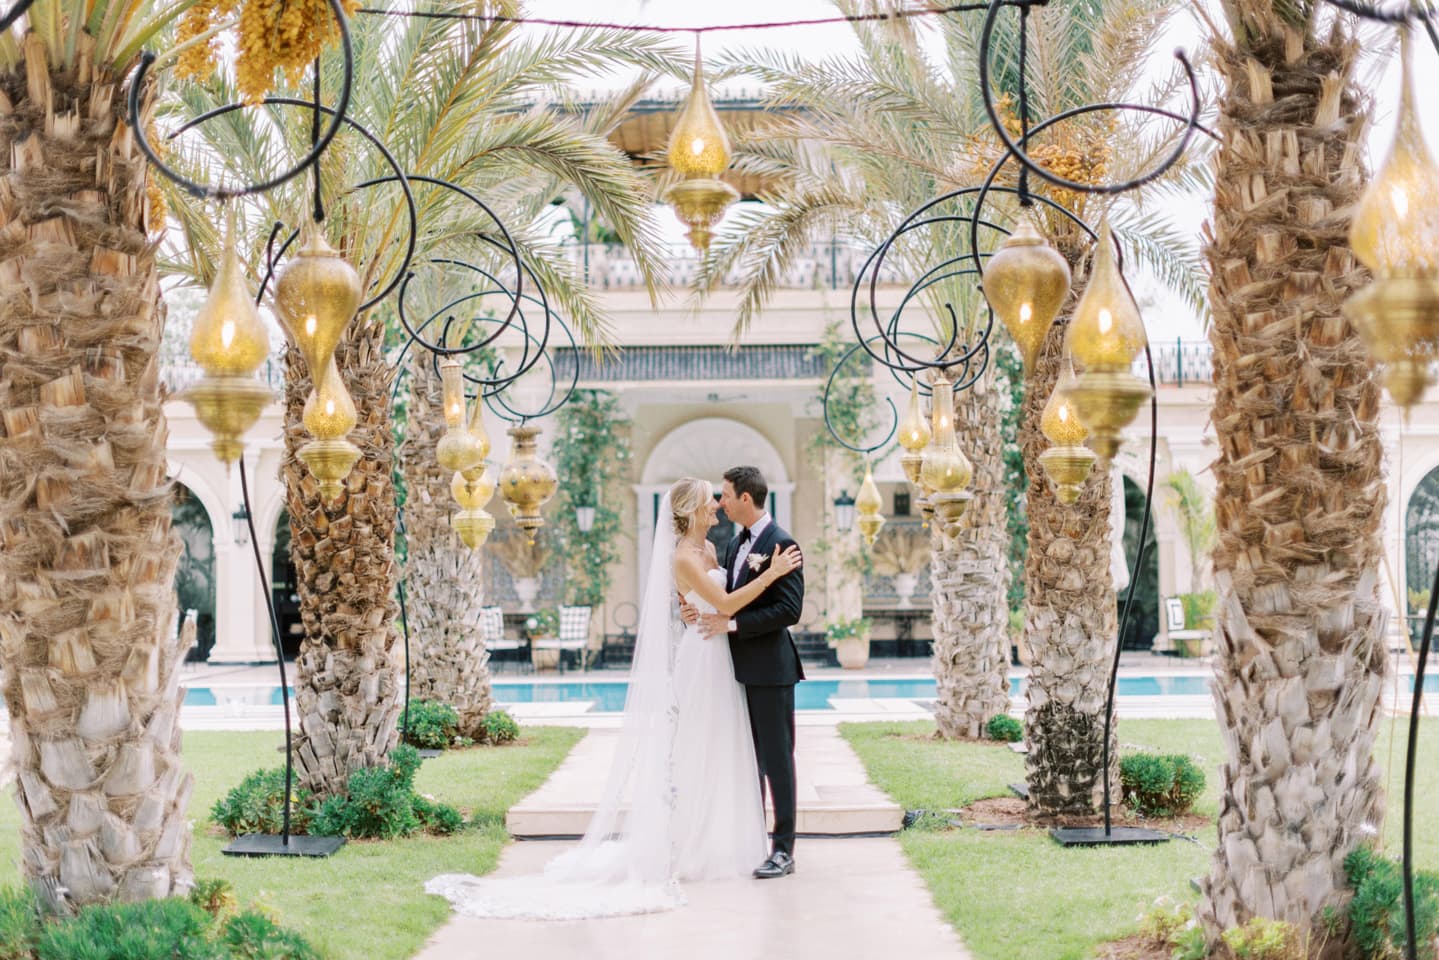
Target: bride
{"points": [[682, 801]]}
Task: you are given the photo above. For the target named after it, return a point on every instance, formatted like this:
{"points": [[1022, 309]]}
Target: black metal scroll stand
{"points": [[1109, 834], [283, 844]]}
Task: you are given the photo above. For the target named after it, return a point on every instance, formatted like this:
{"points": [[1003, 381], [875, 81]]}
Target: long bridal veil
{"points": [[623, 864]]}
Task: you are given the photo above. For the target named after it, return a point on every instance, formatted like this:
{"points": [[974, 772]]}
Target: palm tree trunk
{"points": [[971, 580], [443, 578], [87, 555], [347, 683], [1070, 619], [1300, 490]]}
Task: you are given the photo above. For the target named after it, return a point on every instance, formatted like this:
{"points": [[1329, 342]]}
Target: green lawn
{"points": [[1018, 895], [367, 902]]}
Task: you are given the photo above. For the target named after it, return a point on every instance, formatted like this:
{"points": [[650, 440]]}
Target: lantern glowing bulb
{"points": [[316, 295], [1026, 282], [1395, 233], [458, 449]]}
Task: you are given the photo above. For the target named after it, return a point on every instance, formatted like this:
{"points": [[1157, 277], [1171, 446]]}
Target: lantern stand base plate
{"points": [[1019, 790], [274, 845], [428, 754], [1096, 837]]}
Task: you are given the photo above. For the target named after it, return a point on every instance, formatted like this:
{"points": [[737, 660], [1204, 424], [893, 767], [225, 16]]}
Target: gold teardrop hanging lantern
{"points": [[1395, 233], [229, 342], [869, 508], [1103, 340], [1025, 283], [329, 415], [699, 151], [459, 449], [473, 523], [1067, 462], [946, 471], [316, 295], [914, 435], [526, 482]]}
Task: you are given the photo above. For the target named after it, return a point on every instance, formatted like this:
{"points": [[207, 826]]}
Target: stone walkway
{"points": [[849, 899]]}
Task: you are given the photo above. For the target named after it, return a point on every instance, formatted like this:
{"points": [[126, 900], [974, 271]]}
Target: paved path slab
{"points": [[855, 899], [835, 796]]}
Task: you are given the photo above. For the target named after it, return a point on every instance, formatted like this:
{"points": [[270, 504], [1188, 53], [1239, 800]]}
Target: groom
{"points": [[765, 658]]}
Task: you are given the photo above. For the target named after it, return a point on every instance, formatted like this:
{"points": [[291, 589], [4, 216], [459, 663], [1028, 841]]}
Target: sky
{"points": [[1165, 316]]}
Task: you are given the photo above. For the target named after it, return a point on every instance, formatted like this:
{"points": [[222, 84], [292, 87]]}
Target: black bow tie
{"points": [[744, 536]]}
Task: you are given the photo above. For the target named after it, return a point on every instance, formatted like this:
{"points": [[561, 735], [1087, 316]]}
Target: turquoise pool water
{"points": [[608, 696]]}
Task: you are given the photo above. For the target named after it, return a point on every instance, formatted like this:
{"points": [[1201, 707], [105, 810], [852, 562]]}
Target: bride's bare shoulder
{"points": [[689, 566]]}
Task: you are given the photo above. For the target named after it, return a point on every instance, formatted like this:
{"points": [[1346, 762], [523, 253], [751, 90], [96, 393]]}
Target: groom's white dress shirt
{"points": [[740, 555]]}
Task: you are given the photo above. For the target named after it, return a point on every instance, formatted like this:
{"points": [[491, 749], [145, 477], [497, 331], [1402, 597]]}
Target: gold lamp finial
{"points": [[1025, 283], [1395, 233]]}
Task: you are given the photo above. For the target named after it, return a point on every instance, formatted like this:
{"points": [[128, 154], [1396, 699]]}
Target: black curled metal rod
{"points": [[1191, 122], [203, 192], [858, 448], [1133, 582], [398, 176], [8, 19], [1411, 754], [508, 247], [505, 411], [279, 655]]}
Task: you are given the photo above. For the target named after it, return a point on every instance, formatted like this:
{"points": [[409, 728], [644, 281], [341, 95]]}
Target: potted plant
{"points": [[543, 624], [901, 553], [849, 639], [1195, 639]]}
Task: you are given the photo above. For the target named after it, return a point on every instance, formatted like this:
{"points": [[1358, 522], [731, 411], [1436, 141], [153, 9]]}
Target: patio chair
{"points": [[574, 636], [492, 632]]}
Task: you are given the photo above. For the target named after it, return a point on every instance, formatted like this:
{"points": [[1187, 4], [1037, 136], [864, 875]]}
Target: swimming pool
{"points": [[608, 696]]}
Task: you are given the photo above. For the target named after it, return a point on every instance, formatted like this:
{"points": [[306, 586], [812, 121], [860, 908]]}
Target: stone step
{"points": [[835, 798]]}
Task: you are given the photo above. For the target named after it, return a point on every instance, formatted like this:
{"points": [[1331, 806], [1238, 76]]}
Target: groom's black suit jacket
{"points": [[763, 651]]}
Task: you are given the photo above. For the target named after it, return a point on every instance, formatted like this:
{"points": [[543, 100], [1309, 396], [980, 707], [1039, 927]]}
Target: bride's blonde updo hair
{"points": [[687, 497]]}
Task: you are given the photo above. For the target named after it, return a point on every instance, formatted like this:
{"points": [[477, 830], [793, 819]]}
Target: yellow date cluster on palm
{"points": [[270, 34]]}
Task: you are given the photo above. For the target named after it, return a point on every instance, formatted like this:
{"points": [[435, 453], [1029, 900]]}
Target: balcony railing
{"points": [[831, 266], [1178, 363]]}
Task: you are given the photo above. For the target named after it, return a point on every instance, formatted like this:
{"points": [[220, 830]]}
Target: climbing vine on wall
{"points": [[592, 457]]}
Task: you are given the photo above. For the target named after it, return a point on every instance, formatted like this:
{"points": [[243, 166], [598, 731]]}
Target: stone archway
{"points": [[706, 447], [1421, 543]]}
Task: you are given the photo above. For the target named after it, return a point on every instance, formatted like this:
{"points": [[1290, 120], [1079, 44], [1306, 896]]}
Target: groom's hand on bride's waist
{"points": [[715, 624], [689, 613]]}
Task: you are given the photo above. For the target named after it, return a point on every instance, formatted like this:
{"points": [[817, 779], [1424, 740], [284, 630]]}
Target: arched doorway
{"points": [[195, 572], [284, 589], [1144, 618], [1421, 546], [707, 447]]}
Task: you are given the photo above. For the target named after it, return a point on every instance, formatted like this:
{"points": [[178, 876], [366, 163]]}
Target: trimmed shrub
{"points": [[1002, 726], [253, 936], [215, 896], [19, 924], [1265, 939], [257, 805], [500, 727], [1165, 921], [380, 803], [433, 725], [1160, 785], [148, 930], [1376, 913]]}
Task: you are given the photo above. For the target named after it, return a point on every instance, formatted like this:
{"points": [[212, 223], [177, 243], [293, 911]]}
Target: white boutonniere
{"points": [[756, 562]]}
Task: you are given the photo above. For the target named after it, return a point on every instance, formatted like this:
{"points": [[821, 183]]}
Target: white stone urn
{"points": [[527, 589], [904, 585]]}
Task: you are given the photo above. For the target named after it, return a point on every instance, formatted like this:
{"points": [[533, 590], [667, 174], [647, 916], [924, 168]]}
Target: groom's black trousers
{"points": [[771, 723]]}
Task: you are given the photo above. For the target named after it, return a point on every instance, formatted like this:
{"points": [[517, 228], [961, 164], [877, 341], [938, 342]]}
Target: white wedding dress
{"points": [[683, 799]]}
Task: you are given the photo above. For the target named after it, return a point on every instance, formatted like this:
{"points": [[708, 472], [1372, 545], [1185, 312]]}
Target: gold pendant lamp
{"points": [[316, 295], [526, 482], [460, 448], [1025, 283], [1067, 462], [914, 435], [946, 471], [1103, 340], [1395, 233], [229, 343], [699, 152], [869, 507]]}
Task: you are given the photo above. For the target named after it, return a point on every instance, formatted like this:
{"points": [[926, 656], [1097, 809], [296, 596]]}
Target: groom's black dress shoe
{"points": [[779, 864]]}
